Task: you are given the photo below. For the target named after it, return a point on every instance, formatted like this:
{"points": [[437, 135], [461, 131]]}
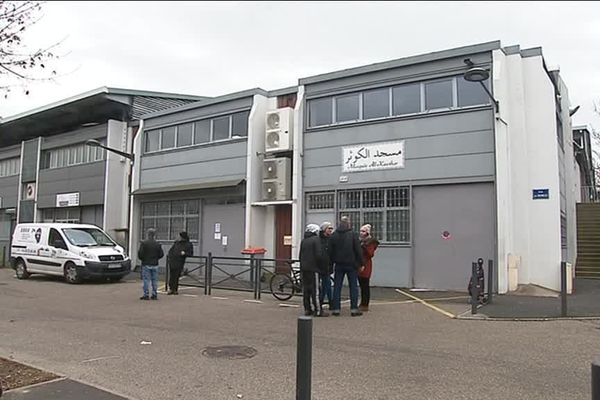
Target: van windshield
{"points": [[87, 237]]}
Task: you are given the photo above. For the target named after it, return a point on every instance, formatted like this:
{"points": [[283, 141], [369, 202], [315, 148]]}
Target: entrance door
{"points": [[454, 225], [283, 231], [223, 229]]}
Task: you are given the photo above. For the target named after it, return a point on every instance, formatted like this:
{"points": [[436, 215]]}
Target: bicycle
{"points": [[284, 285]]}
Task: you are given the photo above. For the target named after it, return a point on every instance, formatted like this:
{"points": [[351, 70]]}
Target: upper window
{"points": [[71, 155], [438, 94], [198, 132], [347, 108], [410, 98], [376, 103], [319, 111], [9, 167]]}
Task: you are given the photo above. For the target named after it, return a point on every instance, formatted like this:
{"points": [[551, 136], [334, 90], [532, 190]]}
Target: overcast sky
{"points": [[217, 48]]}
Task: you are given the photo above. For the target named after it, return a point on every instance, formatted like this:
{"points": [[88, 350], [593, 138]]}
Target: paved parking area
{"points": [[100, 333]]}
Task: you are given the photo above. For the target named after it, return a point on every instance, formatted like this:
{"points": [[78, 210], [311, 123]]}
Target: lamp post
{"points": [[476, 74], [129, 156]]}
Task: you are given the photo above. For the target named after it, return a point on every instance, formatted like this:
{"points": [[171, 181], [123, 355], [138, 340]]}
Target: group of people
{"points": [[342, 252], [150, 252]]}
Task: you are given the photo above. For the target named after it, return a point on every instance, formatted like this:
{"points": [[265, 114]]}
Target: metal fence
{"points": [[248, 274]]}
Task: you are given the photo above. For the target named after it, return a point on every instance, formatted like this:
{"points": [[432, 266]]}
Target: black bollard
{"points": [[490, 281], [595, 381], [304, 358], [563, 289], [474, 289]]}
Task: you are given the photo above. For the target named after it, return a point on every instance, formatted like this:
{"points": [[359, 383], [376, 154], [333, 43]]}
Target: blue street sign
{"points": [[541, 194]]}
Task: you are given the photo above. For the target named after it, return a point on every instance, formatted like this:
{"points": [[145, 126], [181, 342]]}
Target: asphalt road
{"points": [[92, 332]]}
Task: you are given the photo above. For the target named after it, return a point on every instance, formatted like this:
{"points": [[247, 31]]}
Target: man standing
{"points": [[327, 268], [149, 253], [346, 254], [181, 249], [310, 266]]}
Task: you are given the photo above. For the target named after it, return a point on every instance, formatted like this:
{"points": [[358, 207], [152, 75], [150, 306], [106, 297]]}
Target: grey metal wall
{"points": [[214, 162], [74, 137], [454, 146], [9, 191], [87, 179], [30, 159], [199, 113], [92, 215]]}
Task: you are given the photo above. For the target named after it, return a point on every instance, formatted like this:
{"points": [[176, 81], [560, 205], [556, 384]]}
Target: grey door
{"points": [[230, 219], [453, 226]]}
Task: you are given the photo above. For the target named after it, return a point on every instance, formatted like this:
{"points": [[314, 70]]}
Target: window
{"points": [[185, 135], [169, 218], [319, 111], [152, 140], [376, 103], [202, 131], [220, 128], [71, 155], [471, 93], [438, 94], [10, 166], [347, 108], [406, 99], [167, 138], [67, 215], [386, 209], [239, 124]]}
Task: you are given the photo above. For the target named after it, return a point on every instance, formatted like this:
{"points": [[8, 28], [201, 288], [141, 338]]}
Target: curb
{"points": [[483, 317]]}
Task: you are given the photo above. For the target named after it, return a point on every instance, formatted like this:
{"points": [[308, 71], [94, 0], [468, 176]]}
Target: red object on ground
{"points": [[254, 250]]}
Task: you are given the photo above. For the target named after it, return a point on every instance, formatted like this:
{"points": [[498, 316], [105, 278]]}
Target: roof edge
{"points": [[400, 62]]}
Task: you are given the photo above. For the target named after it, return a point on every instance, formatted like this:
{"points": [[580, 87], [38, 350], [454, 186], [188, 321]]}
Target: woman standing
{"points": [[181, 249], [368, 245]]}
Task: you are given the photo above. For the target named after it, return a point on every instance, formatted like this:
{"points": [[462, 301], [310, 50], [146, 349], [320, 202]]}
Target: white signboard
{"points": [[67, 200], [371, 157]]}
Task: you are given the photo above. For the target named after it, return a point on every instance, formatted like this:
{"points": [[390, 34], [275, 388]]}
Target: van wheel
{"points": [[71, 274], [21, 270]]}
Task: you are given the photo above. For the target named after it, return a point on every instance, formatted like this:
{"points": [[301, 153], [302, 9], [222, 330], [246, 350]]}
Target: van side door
{"points": [[58, 250], [36, 248]]}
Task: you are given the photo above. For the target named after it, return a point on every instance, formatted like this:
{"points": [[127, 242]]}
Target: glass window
{"points": [[184, 135], [321, 201], [438, 94], [376, 103], [349, 199], [152, 138], [347, 107], [319, 111], [168, 138], [406, 99], [471, 93], [239, 124], [220, 128], [202, 131]]}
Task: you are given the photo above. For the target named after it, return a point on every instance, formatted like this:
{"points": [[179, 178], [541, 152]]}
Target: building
{"points": [[586, 171], [446, 170], [48, 174]]}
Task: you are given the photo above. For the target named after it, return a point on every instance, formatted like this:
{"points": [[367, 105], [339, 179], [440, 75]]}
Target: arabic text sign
{"points": [[370, 157]]}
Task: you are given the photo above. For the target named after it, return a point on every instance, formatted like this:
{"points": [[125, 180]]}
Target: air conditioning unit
{"points": [[278, 130], [276, 184]]}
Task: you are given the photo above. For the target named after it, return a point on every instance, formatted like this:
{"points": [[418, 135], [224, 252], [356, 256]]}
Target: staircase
{"points": [[588, 240]]}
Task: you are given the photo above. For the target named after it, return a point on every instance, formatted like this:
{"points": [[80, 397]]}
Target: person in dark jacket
{"points": [[311, 263], [149, 253], [369, 244], [346, 254], [324, 234], [181, 249]]}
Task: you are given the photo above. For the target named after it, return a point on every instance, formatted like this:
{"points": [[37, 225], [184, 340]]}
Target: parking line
{"points": [[219, 298], [446, 313], [189, 295], [253, 301]]}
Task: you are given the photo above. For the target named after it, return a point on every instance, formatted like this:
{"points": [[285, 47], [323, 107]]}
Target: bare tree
{"points": [[20, 65]]}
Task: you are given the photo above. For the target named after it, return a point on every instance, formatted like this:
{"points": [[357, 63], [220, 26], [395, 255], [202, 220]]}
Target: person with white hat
{"points": [[311, 261]]}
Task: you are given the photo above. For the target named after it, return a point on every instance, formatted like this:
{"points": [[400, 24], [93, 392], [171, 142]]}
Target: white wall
{"points": [[116, 181], [297, 176], [526, 159]]}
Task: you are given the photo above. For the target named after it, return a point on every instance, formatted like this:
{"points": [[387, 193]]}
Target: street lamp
{"points": [[477, 74], [95, 143]]}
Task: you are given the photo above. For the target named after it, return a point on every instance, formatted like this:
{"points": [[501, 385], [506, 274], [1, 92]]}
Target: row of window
{"points": [[67, 215], [169, 218], [71, 155], [198, 132], [10, 166], [393, 101], [386, 209]]}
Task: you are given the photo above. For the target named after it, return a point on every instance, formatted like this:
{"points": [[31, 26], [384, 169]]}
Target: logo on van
{"points": [[38, 235]]}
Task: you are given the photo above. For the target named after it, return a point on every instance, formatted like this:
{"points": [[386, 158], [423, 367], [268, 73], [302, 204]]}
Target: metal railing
{"points": [[590, 194]]}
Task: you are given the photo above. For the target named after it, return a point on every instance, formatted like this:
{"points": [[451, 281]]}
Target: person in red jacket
{"points": [[368, 244]]}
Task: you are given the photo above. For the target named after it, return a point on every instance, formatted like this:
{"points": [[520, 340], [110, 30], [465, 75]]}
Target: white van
{"points": [[71, 250]]}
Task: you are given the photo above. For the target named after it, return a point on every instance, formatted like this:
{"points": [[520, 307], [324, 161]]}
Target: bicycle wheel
{"points": [[282, 287]]}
